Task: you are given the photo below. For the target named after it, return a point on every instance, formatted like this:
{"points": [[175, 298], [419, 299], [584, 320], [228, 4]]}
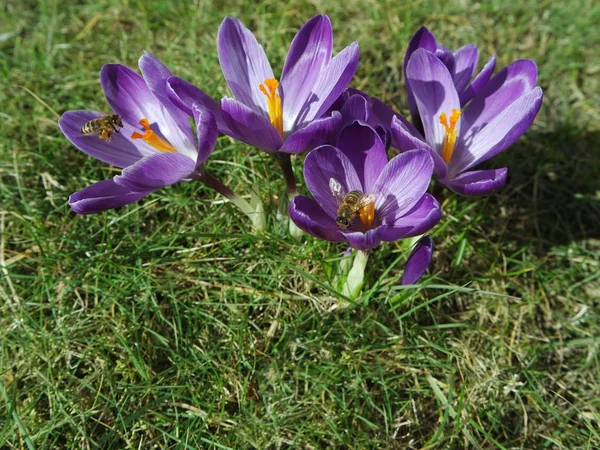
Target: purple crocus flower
{"points": [[286, 116], [461, 65], [398, 206], [156, 145], [458, 140]]}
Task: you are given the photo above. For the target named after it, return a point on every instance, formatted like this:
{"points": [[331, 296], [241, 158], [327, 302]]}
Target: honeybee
{"points": [[349, 204], [104, 126]]}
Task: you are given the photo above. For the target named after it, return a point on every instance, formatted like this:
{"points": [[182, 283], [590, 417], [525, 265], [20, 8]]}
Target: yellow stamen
{"points": [[366, 214], [153, 139], [268, 88], [450, 134]]}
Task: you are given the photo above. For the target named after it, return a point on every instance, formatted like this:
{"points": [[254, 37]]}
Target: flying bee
{"points": [[349, 204], [104, 126]]}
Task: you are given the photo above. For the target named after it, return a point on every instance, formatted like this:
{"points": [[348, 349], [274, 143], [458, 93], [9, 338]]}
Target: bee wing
{"points": [[337, 190], [365, 200]]}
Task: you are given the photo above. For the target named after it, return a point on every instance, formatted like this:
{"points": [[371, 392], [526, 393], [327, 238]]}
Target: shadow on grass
{"points": [[553, 197], [553, 194]]}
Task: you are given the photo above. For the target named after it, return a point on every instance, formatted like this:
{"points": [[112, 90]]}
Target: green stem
{"points": [[256, 213], [285, 162], [356, 275]]}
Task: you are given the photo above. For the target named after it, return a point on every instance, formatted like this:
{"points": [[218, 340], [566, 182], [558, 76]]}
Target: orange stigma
{"points": [[450, 134], [153, 139], [366, 214], [268, 88]]}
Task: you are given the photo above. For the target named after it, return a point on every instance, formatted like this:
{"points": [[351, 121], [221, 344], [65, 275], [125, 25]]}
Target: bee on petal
{"points": [[351, 205], [104, 126]]}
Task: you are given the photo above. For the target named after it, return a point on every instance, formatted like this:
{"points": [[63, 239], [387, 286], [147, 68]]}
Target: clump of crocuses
{"points": [[459, 118]]}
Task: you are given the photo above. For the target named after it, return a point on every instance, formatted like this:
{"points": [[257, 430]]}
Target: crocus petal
{"points": [[420, 219], [184, 95], [102, 196], [478, 82], [314, 134], [403, 139], [244, 64], [402, 183], [156, 171], [156, 74], [206, 130], [320, 166], [310, 217], [366, 152], [365, 241], [447, 57], [309, 53], [478, 182], [423, 38], [128, 95], [249, 126], [355, 108], [334, 79], [418, 261], [120, 151], [502, 90], [434, 92], [500, 133], [466, 62]]}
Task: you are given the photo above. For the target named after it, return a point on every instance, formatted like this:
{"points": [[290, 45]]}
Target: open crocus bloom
{"points": [[285, 115], [399, 206], [460, 139], [461, 65], [156, 146]]}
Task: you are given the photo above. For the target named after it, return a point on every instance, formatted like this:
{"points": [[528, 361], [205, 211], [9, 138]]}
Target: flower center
{"points": [[268, 88], [153, 139], [366, 214], [450, 134]]}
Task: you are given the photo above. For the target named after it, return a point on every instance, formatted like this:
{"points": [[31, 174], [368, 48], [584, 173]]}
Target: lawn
{"points": [[171, 324]]}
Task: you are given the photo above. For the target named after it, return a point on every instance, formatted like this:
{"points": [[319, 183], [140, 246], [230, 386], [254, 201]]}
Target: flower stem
{"points": [[285, 162], [356, 275], [252, 212]]}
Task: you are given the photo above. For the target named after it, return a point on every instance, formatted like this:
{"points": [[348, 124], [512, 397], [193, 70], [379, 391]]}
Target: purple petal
{"points": [[244, 64], [434, 92], [156, 171], [402, 184], [466, 62], [479, 182], [478, 82], [334, 79], [184, 95], [309, 53], [418, 261], [314, 134], [310, 217], [101, 196], [127, 94], [447, 57], [320, 166], [365, 241], [249, 126], [500, 133], [206, 130], [366, 152], [420, 219], [404, 140], [156, 74], [120, 151], [355, 108], [507, 86], [423, 38]]}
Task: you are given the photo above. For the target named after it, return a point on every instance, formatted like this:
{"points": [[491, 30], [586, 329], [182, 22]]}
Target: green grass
{"points": [[169, 324]]}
